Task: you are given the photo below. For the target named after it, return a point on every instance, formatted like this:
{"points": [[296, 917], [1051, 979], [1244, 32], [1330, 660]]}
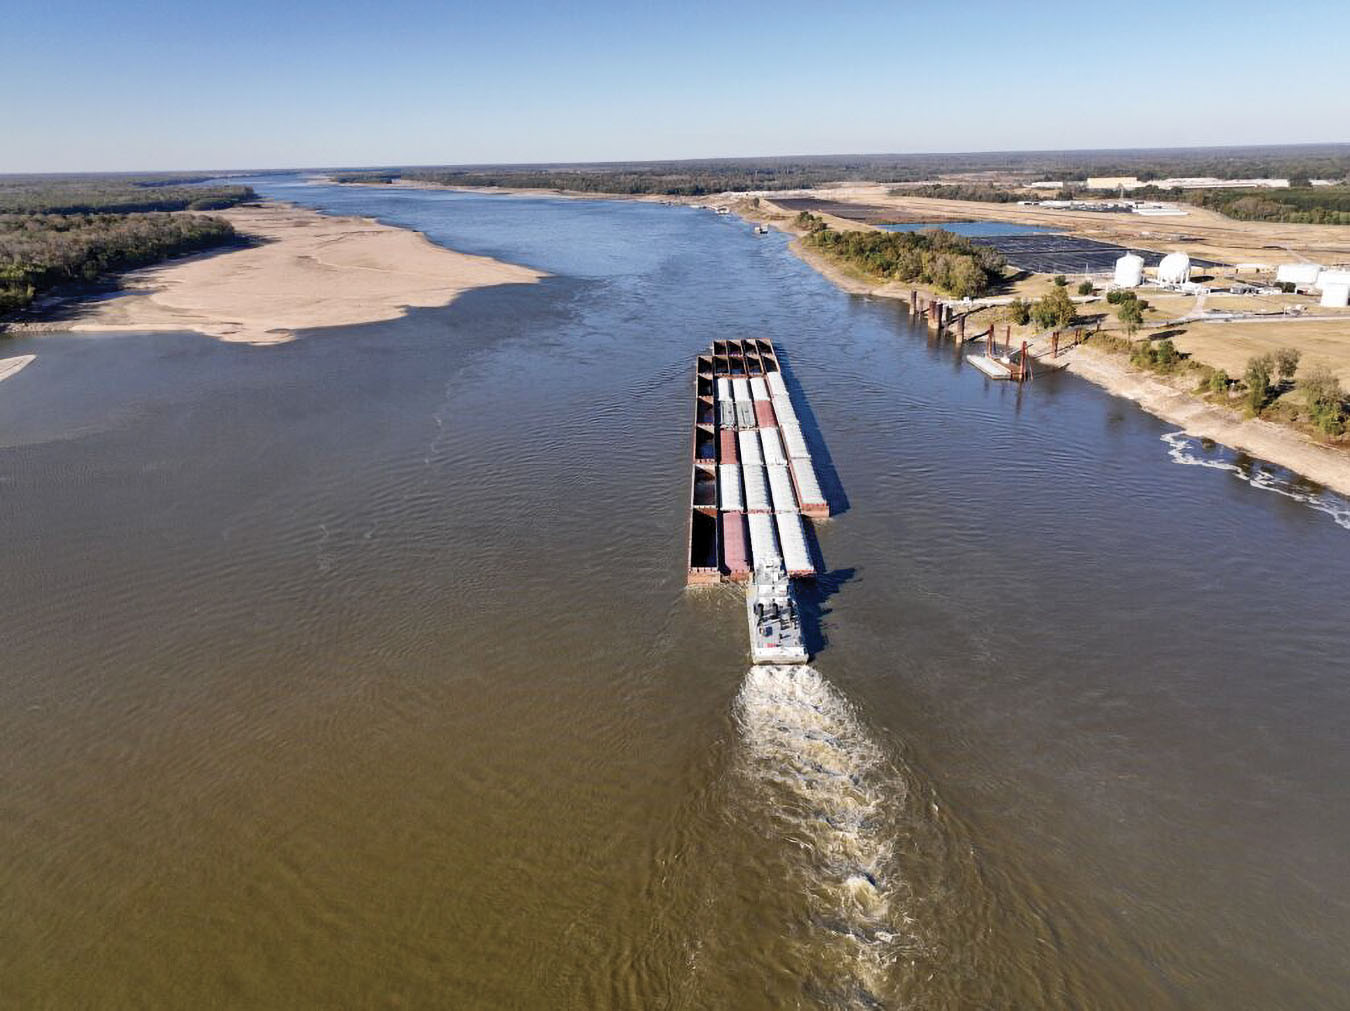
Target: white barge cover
{"points": [[749, 443], [763, 542], [782, 409], [792, 536], [729, 487], [756, 488], [724, 389], [796, 445], [780, 487], [757, 388], [741, 389], [776, 385], [808, 488], [773, 446]]}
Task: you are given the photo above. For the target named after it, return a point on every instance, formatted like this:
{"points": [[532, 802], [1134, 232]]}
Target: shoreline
{"points": [[1274, 443], [302, 270], [1278, 444]]}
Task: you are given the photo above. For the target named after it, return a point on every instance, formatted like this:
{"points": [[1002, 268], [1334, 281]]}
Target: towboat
{"points": [[775, 625]]}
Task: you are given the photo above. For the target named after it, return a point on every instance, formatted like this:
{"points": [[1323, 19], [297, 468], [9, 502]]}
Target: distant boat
{"points": [[9, 366], [761, 229]]}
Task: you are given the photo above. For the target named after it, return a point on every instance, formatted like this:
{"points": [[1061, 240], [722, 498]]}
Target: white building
{"points": [[1113, 183], [1298, 273], [1129, 271], [1175, 268], [1332, 276], [1336, 295]]}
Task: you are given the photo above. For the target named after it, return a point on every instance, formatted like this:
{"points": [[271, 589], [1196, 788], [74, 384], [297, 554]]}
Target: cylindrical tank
{"points": [[1129, 271], [1175, 268], [1335, 295]]}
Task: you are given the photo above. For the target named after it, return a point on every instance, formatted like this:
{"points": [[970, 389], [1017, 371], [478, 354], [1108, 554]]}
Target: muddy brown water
{"points": [[360, 671]]}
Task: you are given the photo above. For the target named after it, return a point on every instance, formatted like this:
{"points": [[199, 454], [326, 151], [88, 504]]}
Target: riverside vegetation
{"points": [[72, 231], [935, 257], [1272, 387]]}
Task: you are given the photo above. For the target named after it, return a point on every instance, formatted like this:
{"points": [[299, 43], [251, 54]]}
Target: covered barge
{"points": [[752, 476]]}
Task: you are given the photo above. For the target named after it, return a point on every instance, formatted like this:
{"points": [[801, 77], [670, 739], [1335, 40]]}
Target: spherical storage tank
{"points": [[1175, 268], [1129, 271]]}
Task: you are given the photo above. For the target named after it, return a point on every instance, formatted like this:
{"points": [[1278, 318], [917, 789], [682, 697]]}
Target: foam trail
{"points": [[828, 786], [1179, 446]]}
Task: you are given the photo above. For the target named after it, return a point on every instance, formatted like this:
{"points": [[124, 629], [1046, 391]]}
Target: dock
{"points": [[753, 481], [11, 366]]}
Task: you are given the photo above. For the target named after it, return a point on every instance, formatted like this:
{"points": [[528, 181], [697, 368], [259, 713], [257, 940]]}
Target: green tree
{"points": [[1286, 363], [1131, 316], [1061, 280], [1085, 288], [1257, 378], [1167, 355], [1324, 399], [1218, 381], [1019, 312], [1054, 309]]}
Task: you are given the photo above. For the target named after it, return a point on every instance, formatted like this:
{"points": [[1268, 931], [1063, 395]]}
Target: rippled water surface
{"points": [[359, 671]]}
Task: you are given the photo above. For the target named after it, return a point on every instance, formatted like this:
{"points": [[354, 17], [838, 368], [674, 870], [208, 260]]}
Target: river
{"points": [[360, 670]]}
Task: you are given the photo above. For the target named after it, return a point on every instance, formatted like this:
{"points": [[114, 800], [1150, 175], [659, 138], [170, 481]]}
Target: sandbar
{"points": [[303, 270]]}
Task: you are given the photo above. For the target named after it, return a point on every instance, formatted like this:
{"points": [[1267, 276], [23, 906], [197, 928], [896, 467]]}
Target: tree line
{"points": [[700, 177], [59, 233], [933, 257], [40, 196]]}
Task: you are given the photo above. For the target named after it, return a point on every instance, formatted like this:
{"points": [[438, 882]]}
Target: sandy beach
{"points": [[304, 270]]}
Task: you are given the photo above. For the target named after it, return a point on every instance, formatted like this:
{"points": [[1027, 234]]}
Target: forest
{"points": [[710, 176], [932, 257], [69, 232], [101, 195]]}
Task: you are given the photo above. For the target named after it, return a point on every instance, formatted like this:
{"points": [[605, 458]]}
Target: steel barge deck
{"points": [[753, 480]]}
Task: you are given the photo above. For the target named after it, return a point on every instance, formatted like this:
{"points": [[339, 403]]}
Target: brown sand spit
{"points": [[1277, 443], [306, 270]]}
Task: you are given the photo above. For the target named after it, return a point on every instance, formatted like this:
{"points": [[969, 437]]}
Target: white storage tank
{"points": [[729, 487], [1129, 271], [1175, 268], [756, 488], [763, 540], [749, 443], [780, 489], [1335, 295], [792, 539], [1333, 276], [1298, 273], [758, 389]]}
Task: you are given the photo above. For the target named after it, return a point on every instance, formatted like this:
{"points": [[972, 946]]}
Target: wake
{"points": [[1179, 447], [828, 788]]}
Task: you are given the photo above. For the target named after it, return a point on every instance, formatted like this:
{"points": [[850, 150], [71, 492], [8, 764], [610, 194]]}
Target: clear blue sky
{"points": [[94, 85]]}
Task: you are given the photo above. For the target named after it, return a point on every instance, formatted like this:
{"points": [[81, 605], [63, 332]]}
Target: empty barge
{"points": [[753, 480]]}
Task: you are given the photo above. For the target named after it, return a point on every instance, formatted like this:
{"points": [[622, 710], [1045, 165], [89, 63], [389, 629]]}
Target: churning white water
{"points": [[1181, 448], [829, 789]]}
